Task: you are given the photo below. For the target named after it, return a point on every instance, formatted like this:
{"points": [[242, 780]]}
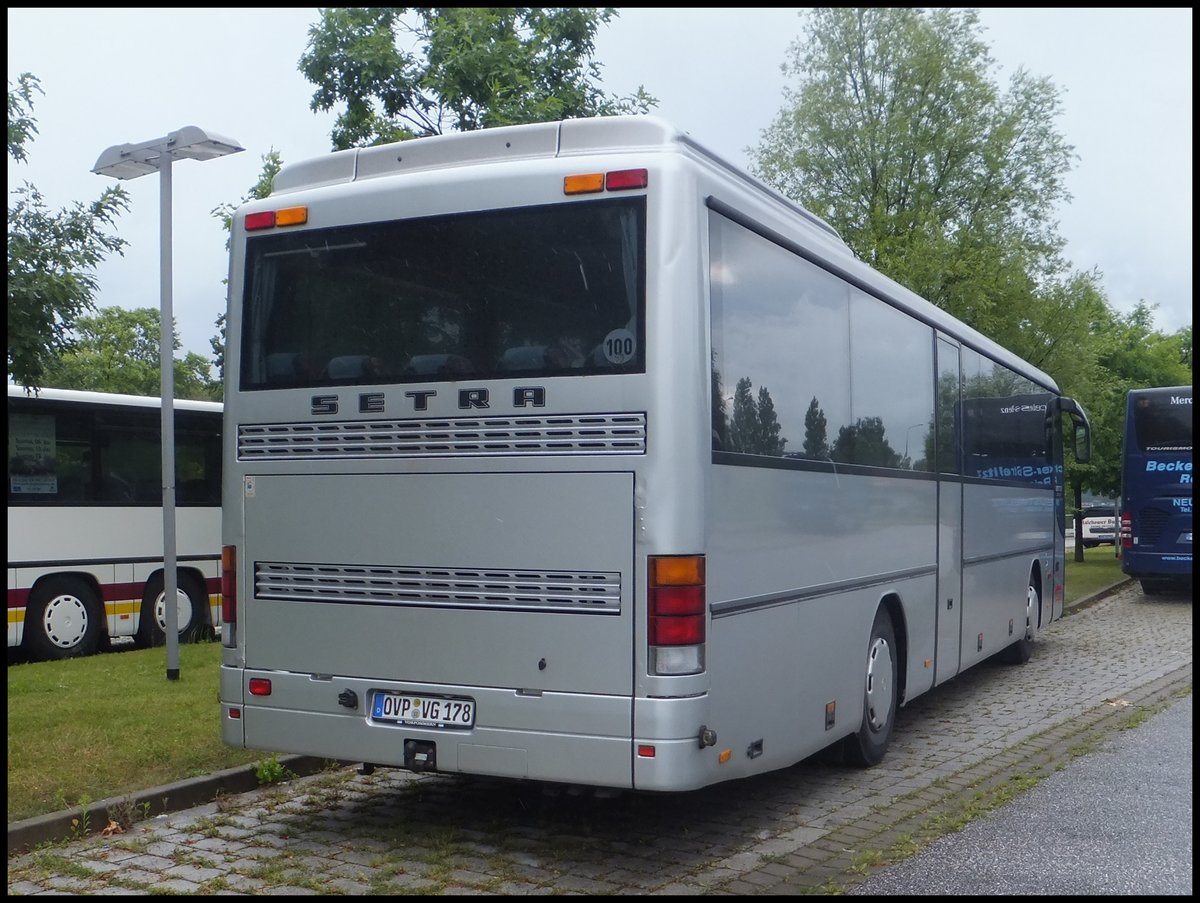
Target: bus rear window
{"points": [[525, 292], [1163, 422]]}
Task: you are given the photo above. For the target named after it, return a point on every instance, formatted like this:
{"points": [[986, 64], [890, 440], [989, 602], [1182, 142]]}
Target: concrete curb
{"points": [[93, 818], [72, 823]]}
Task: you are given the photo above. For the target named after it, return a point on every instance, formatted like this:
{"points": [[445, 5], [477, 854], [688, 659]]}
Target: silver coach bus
{"points": [[568, 452]]}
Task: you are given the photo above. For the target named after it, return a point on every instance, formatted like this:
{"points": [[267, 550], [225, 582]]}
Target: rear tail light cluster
{"points": [[677, 613], [1126, 530], [228, 594]]}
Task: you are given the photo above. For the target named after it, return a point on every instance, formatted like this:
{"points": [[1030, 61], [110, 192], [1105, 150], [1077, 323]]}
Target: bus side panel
{"points": [[1005, 528], [16, 611], [92, 533], [797, 565]]}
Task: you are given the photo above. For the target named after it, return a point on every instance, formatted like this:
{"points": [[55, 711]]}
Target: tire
{"points": [[866, 747], [152, 626], [1022, 650], [64, 620], [1154, 586]]}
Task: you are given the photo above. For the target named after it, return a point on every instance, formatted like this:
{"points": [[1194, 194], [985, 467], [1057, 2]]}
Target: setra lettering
{"points": [[376, 402]]}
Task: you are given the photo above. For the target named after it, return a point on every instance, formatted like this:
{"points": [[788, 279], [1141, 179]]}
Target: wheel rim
{"points": [[879, 684], [65, 621], [183, 607], [1031, 607]]}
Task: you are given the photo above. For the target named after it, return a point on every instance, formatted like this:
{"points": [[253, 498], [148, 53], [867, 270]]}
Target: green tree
{"points": [[720, 417], [117, 350], [895, 134], [769, 426], [816, 432], [864, 442], [743, 425], [51, 255], [405, 72]]}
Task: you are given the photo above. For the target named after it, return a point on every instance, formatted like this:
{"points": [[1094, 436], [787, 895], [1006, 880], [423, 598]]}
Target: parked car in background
{"points": [[1099, 526]]}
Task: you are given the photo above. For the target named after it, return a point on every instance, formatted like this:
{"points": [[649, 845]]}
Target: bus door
{"points": [[950, 516]]}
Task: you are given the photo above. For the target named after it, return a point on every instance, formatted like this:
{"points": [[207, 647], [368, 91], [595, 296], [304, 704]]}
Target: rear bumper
{"points": [[1140, 565], [544, 736]]}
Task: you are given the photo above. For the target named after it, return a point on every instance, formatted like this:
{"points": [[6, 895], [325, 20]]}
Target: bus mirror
{"points": [[1083, 430], [1083, 443]]}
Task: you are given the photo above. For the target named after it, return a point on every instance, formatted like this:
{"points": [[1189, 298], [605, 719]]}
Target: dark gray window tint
{"points": [[108, 455], [949, 460], [891, 379], [1004, 424], [528, 292], [1162, 421], [50, 456], [781, 348]]}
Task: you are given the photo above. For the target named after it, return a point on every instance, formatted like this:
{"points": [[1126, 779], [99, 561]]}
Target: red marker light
{"points": [[263, 220], [624, 179]]}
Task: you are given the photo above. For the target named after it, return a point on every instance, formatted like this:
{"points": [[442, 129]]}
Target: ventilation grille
{"points": [[578, 434], [1151, 524], [562, 591]]}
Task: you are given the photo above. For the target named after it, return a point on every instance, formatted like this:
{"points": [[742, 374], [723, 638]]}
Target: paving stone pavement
{"points": [[816, 827]]}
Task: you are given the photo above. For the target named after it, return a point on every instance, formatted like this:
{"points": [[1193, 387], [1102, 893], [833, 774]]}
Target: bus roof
{"points": [[111, 398], [1161, 390]]}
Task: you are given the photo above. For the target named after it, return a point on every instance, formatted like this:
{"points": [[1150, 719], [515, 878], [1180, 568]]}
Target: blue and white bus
{"points": [[568, 452], [1156, 488]]}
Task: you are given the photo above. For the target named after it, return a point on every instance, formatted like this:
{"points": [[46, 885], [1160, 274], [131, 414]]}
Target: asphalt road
{"points": [[1117, 821], [959, 752]]}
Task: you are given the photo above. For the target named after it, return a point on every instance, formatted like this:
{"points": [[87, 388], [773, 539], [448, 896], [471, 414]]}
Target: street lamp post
{"points": [[907, 436], [129, 161]]}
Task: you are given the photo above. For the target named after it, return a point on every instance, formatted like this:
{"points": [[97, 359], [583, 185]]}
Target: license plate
{"points": [[428, 711]]}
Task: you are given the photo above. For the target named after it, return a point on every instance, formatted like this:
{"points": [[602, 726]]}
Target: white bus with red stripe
{"points": [[568, 452], [85, 520]]}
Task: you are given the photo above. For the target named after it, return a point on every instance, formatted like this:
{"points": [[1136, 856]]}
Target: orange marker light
{"points": [[291, 216], [587, 183]]}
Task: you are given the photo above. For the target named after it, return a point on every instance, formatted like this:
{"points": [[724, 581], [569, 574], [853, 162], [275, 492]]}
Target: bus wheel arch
{"points": [[884, 668], [64, 618], [1021, 650], [192, 611]]}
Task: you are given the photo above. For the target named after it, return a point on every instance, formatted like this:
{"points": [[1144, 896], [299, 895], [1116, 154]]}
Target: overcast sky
{"points": [[112, 76]]}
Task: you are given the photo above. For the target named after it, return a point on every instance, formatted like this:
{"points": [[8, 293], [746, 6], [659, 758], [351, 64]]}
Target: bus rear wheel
{"points": [[1021, 651], [868, 744], [190, 604], [63, 619]]}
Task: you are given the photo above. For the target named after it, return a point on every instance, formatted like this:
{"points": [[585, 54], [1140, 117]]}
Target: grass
{"points": [[1099, 570], [87, 729], [93, 728]]}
